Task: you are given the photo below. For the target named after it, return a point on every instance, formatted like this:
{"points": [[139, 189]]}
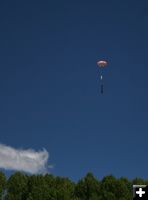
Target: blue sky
{"points": [[49, 84]]}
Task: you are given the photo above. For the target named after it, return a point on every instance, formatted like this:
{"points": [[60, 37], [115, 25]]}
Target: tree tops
{"points": [[20, 186]]}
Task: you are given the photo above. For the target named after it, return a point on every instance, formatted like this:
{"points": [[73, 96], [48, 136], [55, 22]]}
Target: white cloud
{"points": [[29, 160]]}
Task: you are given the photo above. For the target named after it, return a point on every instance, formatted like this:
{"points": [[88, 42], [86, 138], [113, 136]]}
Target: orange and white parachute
{"points": [[102, 63]]}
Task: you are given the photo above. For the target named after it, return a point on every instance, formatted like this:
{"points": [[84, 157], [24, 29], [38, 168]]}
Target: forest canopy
{"points": [[20, 186]]}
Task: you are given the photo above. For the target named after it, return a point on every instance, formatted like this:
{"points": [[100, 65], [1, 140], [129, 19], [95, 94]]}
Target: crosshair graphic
{"points": [[140, 192]]}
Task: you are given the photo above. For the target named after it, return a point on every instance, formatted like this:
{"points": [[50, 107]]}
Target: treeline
{"points": [[20, 186]]}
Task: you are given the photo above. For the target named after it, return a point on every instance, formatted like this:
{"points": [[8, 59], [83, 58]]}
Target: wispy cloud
{"points": [[29, 160]]}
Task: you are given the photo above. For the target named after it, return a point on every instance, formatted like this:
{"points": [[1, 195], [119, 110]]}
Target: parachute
{"points": [[102, 64]]}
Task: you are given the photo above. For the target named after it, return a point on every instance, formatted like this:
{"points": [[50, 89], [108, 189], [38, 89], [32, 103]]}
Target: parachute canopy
{"points": [[102, 63]]}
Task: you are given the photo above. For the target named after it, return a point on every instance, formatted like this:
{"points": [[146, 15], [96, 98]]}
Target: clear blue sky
{"points": [[49, 84]]}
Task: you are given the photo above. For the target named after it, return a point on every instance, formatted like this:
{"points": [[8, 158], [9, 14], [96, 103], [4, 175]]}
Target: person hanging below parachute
{"points": [[102, 64]]}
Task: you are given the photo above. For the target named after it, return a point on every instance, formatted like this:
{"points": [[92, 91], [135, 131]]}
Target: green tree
{"points": [[125, 186], [118, 189], [48, 187], [2, 184], [108, 188], [138, 181], [17, 187], [88, 188], [64, 188], [41, 187]]}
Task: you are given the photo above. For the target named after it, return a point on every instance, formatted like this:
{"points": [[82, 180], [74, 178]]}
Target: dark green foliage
{"points": [[48, 187], [38, 188], [64, 188], [2, 184], [139, 181], [115, 188], [87, 188], [17, 187]]}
